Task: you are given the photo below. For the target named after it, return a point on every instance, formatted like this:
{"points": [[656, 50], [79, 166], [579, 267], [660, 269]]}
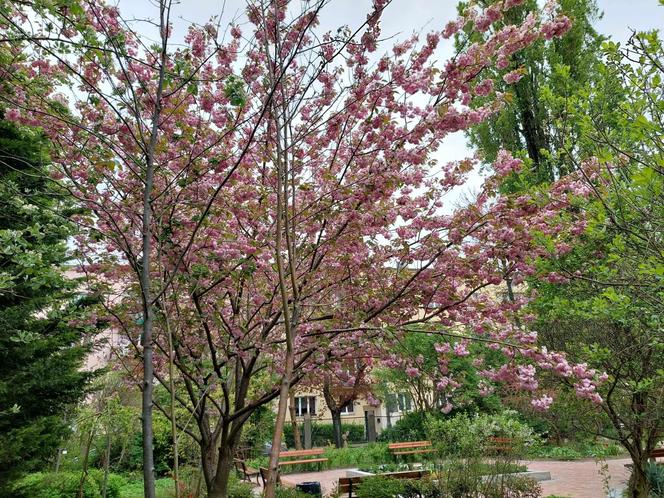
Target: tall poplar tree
{"points": [[535, 121]]}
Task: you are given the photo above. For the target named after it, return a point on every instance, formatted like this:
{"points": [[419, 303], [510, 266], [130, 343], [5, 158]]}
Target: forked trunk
{"points": [[638, 482], [219, 488]]}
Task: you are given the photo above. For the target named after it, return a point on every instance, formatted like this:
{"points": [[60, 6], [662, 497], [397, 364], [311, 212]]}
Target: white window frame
{"points": [[305, 405], [348, 408], [404, 402]]}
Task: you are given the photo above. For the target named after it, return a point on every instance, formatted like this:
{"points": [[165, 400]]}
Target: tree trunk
{"points": [[638, 482], [86, 457], [145, 277], [174, 429], [146, 340], [219, 487], [107, 463], [208, 462], [279, 428], [293, 416], [336, 428], [230, 438]]}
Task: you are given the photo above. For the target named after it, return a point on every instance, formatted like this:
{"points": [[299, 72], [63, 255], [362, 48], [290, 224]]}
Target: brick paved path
{"points": [[581, 478], [578, 479]]}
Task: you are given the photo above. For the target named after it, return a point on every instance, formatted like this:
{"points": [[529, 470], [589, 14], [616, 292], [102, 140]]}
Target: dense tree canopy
{"points": [[42, 317], [259, 206], [601, 299]]}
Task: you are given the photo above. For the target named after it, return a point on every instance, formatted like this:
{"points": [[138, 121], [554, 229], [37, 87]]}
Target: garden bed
{"points": [[535, 475]]}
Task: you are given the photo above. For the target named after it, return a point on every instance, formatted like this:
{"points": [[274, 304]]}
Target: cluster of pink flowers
{"points": [[363, 191]]}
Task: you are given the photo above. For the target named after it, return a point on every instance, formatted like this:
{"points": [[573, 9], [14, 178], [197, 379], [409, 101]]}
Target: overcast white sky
{"points": [[400, 19]]}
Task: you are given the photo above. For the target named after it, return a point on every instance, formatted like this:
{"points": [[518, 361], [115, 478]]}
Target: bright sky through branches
{"points": [[400, 19]]}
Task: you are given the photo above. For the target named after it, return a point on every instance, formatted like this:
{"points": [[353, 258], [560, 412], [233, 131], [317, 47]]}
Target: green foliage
{"points": [[655, 478], [466, 436], [370, 454], [259, 429], [610, 316], [234, 91], [460, 482], [42, 318], [483, 468], [473, 478], [66, 485], [322, 434], [410, 427], [163, 447], [374, 453], [380, 487], [282, 492], [114, 483], [164, 489], [575, 451], [534, 124], [238, 489]]}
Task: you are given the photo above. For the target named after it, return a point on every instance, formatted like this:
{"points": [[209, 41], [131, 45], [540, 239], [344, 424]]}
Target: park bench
{"points": [[652, 456], [246, 473], [410, 448], [655, 454], [347, 485], [500, 445], [264, 473], [302, 457]]}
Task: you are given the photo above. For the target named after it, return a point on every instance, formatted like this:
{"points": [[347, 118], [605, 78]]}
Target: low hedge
{"points": [[322, 434]]}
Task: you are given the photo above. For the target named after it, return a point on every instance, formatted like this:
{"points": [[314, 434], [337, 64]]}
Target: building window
{"points": [[405, 402], [348, 408], [305, 405], [397, 403]]}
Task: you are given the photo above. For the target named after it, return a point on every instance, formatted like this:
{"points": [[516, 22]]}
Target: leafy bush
{"points": [[575, 451], [466, 436], [323, 434], [163, 488], [559, 453], [655, 477], [114, 484], [507, 487], [473, 478], [52, 485], [238, 489], [410, 427], [426, 487], [511, 487], [384, 467], [380, 487], [163, 448], [290, 493], [371, 454], [259, 430]]}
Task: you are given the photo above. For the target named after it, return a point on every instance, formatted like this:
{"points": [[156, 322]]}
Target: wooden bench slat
{"points": [[411, 452], [298, 453], [296, 462], [408, 444], [656, 453]]}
